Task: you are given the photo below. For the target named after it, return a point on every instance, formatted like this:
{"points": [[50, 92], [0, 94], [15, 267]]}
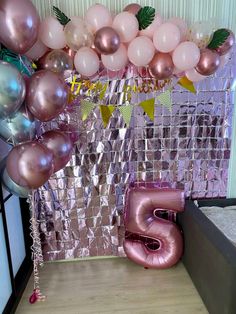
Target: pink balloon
{"points": [[166, 37], [116, 61], [30, 164], [181, 24], [19, 23], [186, 56], [98, 16], [51, 33], [60, 145], [86, 61], [126, 25], [47, 95], [141, 51], [194, 76], [37, 51], [133, 8], [149, 31]]}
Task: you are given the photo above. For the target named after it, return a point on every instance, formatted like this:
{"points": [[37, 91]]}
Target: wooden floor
{"points": [[113, 286]]}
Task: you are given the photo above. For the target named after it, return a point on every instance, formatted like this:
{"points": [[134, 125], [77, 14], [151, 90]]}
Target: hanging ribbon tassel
{"points": [[37, 255]]}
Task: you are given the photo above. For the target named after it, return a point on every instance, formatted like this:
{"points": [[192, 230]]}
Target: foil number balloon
{"points": [[140, 219]]}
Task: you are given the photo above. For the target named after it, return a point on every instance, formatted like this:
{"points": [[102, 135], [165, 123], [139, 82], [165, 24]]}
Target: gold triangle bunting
{"points": [[106, 112], [86, 108], [165, 99], [148, 107], [187, 84], [126, 112]]}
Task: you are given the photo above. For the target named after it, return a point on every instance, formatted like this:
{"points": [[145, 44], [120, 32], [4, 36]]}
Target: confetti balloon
{"points": [[58, 61]]}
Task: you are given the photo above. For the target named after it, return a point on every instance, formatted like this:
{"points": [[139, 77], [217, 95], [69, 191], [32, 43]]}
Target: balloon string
{"points": [[36, 249]]}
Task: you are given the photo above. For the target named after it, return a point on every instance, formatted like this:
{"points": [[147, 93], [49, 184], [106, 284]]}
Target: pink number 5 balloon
{"points": [[141, 203]]}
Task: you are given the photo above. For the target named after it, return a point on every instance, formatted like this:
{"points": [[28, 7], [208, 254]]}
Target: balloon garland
{"points": [[58, 46]]}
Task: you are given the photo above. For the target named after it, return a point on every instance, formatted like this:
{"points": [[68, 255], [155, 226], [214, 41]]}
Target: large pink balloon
{"points": [[37, 51], [47, 95], [126, 25], [30, 164], [186, 56], [51, 33], [166, 37], [19, 23], [86, 61], [60, 145], [116, 61], [98, 16], [141, 51], [149, 31]]}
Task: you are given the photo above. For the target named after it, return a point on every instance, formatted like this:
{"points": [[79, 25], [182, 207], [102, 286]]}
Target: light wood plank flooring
{"points": [[115, 285]]}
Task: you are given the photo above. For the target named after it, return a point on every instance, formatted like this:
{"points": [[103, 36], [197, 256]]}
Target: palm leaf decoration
{"points": [[61, 17], [145, 17], [218, 38]]}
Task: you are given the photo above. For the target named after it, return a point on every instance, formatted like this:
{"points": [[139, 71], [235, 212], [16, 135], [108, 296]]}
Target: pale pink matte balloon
{"points": [[166, 37], [141, 51], [126, 25], [86, 61], [149, 31], [37, 51], [51, 33], [98, 16], [194, 76], [186, 56], [181, 24], [116, 61]]}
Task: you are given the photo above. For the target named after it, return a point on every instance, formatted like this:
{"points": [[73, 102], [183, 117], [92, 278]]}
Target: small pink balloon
{"points": [[60, 146], [141, 51], [86, 61], [166, 37], [37, 51], [30, 164], [132, 8], [116, 61], [186, 56], [126, 25], [98, 16], [161, 67], [181, 24], [208, 63], [51, 33], [149, 31], [194, 76]]}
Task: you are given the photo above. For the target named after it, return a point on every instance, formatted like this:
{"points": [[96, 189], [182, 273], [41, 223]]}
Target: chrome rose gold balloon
{"points": [[208, 63], [47, 95], [60, 145], [132, 8], [58, 61], [227, 45], [161, 67], [30, 164], [19, 23], [70, 52], [141, 204], [107, 40]]}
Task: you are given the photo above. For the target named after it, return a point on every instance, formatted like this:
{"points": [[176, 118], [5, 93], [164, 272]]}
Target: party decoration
{"points": [[47, 95], [117, 60], [187, 84], [208, 63], [86, 61], [51, 33], [142, 206], [106, 40], [222, 41], [18, 25], [166, 37], [161, 66], [106, 112], [12, 90], [149, 31], [200, 33], [86, 108], [193, 76], [126, 25], [148, 107], [165, 99], [132, 8], [37, 51], [145, 17], [141, 51], [182, 26], [126, 112], [186, 56], [30, 164], [19, 128], [58, 61], [60, 145], [61, 17], [98, 16]]}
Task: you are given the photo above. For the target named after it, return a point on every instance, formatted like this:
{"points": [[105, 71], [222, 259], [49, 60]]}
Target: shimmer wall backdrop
{"points": [[80, 209]]}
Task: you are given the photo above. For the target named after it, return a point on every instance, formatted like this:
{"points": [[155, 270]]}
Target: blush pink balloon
{"points": [[181, 24], [141, 51], [126, 25], [208, 63], [98, 16], [186, 56], [86, 61], [161, 67], [37, 51], [193, 76], [19, 23], [30, 164], [132, 8], [47, 95], [116, 61], [51, 33], [149, 31], [60, 145], [166, 37]]}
